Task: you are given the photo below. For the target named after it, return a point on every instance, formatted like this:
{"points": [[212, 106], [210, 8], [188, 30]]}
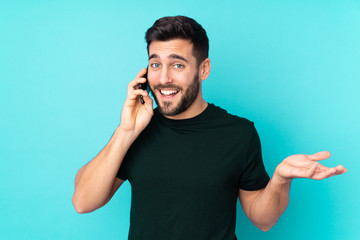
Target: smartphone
{"points": [[143, 86]]}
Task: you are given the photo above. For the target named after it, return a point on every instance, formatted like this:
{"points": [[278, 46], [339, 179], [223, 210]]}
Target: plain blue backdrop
{"points": [[292, 67]]}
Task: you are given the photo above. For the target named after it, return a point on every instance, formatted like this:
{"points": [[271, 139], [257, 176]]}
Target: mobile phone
{"points": [[143, 86]]}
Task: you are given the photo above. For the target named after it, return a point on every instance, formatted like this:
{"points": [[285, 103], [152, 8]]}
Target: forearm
{"points": [[266, 206], [270, 204], [94, 181]]}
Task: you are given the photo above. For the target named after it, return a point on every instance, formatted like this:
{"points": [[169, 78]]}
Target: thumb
{"points": [[319, 156]]}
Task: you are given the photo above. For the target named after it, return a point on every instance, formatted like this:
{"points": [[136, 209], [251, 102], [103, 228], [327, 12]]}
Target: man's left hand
{"points": [[306, 166]]}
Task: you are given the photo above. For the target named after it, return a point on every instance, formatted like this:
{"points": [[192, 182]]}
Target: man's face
{"points": [[173, 75]]}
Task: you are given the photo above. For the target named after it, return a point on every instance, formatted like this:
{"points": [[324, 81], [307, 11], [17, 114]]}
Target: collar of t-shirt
{"points": [[187, 125]]}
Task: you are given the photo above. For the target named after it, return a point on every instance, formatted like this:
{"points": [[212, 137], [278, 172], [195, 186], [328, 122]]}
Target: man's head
{"points": [[177, 64], [180, 27]]}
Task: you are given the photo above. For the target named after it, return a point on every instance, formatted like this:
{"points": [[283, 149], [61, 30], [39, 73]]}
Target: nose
{"points": [[165, 76]]}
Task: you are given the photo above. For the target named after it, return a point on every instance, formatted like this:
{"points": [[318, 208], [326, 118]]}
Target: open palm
{"points": [[307, 166]]}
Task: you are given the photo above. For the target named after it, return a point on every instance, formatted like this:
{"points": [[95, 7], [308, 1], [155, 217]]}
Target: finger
{"points": [[141, 73], [148, 102], [319, 156], [329, 173], [340, 170], [138, 79], [312, 170], [134, 84], [136, 93], [147, 98], [322, 168]]}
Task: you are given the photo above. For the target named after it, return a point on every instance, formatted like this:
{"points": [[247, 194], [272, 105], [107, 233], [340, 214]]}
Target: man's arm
{"points": [[264, 207], [117, 183], [96, 182]]}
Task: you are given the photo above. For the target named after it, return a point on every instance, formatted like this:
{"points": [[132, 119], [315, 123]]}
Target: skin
{"points": [[96, 182], [264, 207], [172, 67]]}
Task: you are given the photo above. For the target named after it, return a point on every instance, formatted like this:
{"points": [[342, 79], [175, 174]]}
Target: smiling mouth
{"points": [[168, 92]]}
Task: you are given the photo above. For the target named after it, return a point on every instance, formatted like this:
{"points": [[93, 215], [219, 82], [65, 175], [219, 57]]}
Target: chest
{"points": [[170, 162]]}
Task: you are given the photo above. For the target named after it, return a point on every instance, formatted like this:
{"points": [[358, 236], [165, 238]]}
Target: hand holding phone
{"points": [[143, 86], [135, 116]]}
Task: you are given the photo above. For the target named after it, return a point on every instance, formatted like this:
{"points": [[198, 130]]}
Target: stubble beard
{"points": [[191, 93]]}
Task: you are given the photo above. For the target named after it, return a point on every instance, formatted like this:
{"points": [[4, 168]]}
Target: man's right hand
{"points": [[135, 116], [96, 182]]}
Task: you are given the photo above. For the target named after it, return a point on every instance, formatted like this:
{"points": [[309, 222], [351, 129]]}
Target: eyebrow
{"points": [[172, 56]]}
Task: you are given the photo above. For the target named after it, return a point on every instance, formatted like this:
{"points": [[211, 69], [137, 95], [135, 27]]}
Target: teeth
{"points": [[168, 92]]}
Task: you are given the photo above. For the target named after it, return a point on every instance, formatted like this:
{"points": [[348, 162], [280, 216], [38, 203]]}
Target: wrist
{"points": [[121, 130], [124, 136], [281, 180]]}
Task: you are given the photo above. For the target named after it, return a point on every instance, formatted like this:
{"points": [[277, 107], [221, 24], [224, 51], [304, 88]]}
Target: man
{"points": [[187, 160]]}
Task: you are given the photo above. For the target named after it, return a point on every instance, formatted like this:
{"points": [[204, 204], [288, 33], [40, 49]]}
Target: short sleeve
{"points": [[254, 177]]}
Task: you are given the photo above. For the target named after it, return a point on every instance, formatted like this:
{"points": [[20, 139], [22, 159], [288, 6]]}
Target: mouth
{"points": [[168, 92]]}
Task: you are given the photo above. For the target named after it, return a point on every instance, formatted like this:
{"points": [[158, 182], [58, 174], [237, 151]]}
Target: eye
{"points": [[155, 65], [178, 65]]}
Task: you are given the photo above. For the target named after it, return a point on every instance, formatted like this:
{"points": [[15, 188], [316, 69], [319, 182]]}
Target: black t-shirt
{"points": [[185, 175]]}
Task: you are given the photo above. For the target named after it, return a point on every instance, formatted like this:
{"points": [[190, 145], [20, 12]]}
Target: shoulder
{"points": [[230, 126], [224, 116]]}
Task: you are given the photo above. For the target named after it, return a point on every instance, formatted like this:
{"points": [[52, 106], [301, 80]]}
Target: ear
{"points": [[204, 69]]}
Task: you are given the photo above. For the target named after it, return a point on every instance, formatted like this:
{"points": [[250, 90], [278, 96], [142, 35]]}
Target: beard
{"points": [[168, 108]]}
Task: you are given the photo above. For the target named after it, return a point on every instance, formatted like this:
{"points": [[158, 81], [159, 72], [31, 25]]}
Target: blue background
{"points": [[292, 67]]}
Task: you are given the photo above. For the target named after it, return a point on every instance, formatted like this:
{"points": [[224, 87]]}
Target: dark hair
{"points": [[169, 28]]}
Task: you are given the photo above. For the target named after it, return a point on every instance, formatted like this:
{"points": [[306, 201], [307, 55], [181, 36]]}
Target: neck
{"points": [[198, 106]]}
